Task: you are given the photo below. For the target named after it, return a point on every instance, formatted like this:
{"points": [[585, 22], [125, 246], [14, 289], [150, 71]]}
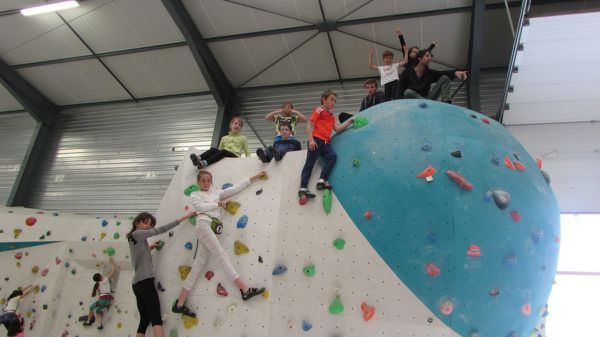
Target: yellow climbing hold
{"points": [[18, 263], [119, 325], [17, 232], [102, 236], [189, 322], [265, 295], [232, 206], [264, 177], [2, 301], [35, 269], [240, 248], [184, 270]]}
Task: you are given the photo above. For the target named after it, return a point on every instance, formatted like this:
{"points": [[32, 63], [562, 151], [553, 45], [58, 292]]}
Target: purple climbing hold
{"points": [[501, 198]]}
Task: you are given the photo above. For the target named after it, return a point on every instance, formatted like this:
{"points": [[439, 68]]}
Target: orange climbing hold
{"points": [[428, 172], [508, 163], [368, 311], [539, 163], [519, 166]]}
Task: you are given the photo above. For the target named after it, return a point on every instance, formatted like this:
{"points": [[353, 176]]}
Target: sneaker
{"points": [[302, 191], [251, 292], [262, 155], [182, 310], [323, 185], [448, 101], [100, 327], [90, 322], [203, 164], [275, 153], [195, 159]]}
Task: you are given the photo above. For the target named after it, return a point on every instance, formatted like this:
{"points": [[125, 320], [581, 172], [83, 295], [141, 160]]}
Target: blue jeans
{"points": [[323, 150]]}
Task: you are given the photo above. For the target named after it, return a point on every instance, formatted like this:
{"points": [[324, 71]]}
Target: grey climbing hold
{"points": [[496, 161], [501, 198], [426, 147], [546, 176], [259, 191], [517, 156], [456, 154]]}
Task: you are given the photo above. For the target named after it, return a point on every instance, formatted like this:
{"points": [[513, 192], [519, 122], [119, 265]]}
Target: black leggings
{"points": [[13, 323], [213, 155], [148, 304], [391, 90]]}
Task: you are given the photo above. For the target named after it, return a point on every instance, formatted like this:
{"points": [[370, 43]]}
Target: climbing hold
{"points": [[226, 186], [508, 163], [426, 147], [74, 271], [429, 320], [422, 105], [474, 333], [474, 251], [515, 216], [432, 270], [184, 270], [356, 162], [336, 307], [35, 269], [17, 232], [191, 189], [232, 206], [538, 162], [173, 333], [339, 243], [171, 233], [488, 196], [42, 237], [84, 238], [460, 180], [485, 120], [159, 245], [260, 259], [189, 322], [526, 309], [209, 274], [368, 215], [43, 288], [309, 270], [473, 116], [265, 295], [102, 236], [368, 311], [279, 269], [327, 201], [192, 220], [18, 264], [510, 260], [537, 235], [360, 121], [517, 155], [519, 166], [110, 251], [188, 245], [456, 154], [242, 222], [496, 161], [546, 176], [431, 237], [116, 236], [30, 221], [240, 248], [259, 191], [18, 255], [221, 290], [45, 306], [501, 198], [428, 172], [104, 223], [306, 325], [118, 223], [160, 287], [446, 307], [45, 272], [67, 264]]}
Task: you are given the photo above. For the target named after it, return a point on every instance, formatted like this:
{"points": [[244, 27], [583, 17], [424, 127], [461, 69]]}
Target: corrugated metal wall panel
{"points": [[120, 158], [16, 130]]}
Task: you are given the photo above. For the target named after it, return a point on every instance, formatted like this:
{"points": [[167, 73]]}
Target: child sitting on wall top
{"points": [[281, 146], [231, 146]]}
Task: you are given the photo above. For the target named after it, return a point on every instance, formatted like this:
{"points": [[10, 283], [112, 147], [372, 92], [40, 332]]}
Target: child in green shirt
{"points": [[231, 146]]}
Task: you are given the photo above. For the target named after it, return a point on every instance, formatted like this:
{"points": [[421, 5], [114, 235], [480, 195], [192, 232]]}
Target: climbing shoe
{"points": [[275, 153], [251, 292], [100, 327], [195, 159], [323, 185], [262, 155], [182, 310]]}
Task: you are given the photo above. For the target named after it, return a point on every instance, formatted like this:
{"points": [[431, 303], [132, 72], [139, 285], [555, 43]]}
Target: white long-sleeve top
{"points": [[208, 201]]}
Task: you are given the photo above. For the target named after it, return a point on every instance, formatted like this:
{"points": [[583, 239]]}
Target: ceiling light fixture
{"points": [[53, 7]]}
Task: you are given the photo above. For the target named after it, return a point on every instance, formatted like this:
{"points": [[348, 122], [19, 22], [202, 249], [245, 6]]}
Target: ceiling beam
{"points": [[335, 61], [474, 63]]}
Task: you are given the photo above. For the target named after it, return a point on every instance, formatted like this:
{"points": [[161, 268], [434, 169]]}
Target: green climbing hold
{"points": [[193, 220], [159, 245], [327, 201], [116, 236], [173, 333], [360, 121], [193, 188], [336, 307], [339, 243], [309, 270], [110, 251], [118, 223], [356, 162]]}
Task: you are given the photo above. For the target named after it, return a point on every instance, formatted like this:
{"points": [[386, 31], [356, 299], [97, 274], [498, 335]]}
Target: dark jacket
{"points": [[421, 85], [369, 101]]}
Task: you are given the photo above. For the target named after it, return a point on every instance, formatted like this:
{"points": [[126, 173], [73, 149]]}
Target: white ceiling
{"points": [[7, 101], [30, 44]]}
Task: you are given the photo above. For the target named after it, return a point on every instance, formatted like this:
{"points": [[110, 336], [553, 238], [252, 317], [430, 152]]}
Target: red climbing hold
{"points": [[368, 215], [368, 311], [474, 251], [515, 216], [485, 120], [30, 221], [209, 274], [428, 172], [186, 207], [221, 290], [460, 180], [57, 260], [519, 166], [18, 255], [539, 163], [526, 309], [432, 269], [508, 163]]}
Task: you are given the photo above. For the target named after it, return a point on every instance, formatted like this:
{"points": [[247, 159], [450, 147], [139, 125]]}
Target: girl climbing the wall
{"points": [[105, 298], [148, 303], [11, 319], [208, 203]]}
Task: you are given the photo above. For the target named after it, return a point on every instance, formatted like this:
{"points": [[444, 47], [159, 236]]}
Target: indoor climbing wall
{"points": [[440, 224]]}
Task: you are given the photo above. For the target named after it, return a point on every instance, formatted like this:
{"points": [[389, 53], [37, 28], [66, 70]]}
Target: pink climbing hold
{"points": [[57, 260], [368, 215], [30, 221], [557, 239], [186, 207], [474, 251], [460, 180], [45, 272], [432, 269], [519, 166], [368, 311], [485, 120], [221, 290], [18, 255], [515, 216], [446, 308], [526, 309], [209, 274], [508, 163]]}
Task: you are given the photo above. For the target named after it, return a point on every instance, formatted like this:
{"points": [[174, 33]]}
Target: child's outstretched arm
{"points": [[140, 234], [371, 65], [341, 127], [405, 59], [231, 191], [271, 115], [27, 290], [113, 268], [299, 116]]}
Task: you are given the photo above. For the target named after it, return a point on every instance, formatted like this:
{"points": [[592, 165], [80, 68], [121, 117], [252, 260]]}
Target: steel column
{"points": [[475, 43]]}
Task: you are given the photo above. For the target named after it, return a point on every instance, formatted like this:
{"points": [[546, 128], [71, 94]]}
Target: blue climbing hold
{"points": [[226, 186], [426, 147], [104, 223], [188, 245], [43, 288], [510, 260], [279, 269], [422, 105], [306, 325], [431, 237], [242, 222]]}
